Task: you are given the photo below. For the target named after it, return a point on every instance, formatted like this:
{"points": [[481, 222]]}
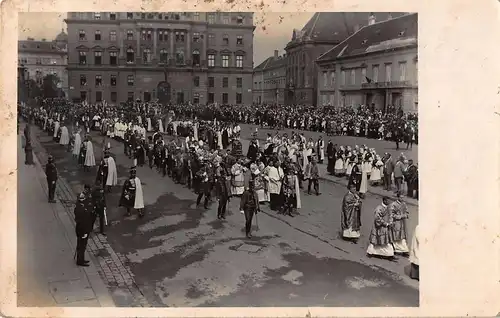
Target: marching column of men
{"points": [[273, 175]]}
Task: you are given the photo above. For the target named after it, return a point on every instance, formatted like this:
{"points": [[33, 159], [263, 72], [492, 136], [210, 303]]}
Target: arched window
{"points": [[130, 55], [196, 58], [179, 56], [163, 56], [146, 55]]}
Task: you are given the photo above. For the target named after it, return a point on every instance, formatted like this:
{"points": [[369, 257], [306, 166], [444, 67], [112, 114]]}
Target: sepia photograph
{"points": [[207, 159]]}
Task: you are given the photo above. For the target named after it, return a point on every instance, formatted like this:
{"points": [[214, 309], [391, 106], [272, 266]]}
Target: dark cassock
{"points": [[222, 191], [83, 219], [253, 149], [225, 139], [356, 175], [150, 152], [205, 175], [237, 149], [351, 215], [83, 153], [330, 153], [140, 153]]}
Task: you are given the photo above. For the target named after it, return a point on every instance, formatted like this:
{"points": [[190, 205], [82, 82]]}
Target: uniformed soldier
{"points": [[83, 220], [51, 173], [222, 190], [249, 205], [99, 200], [102, 173], [132, 197]]}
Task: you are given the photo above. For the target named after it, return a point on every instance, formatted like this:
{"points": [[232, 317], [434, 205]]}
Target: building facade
{"points": [[176, 57], [376, 67], [41, 58], [323, 31], [269, 80]]}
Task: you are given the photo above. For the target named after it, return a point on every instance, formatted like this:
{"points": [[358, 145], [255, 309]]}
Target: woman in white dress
{"points": [[364, 177], [77, 144], [376, 175], [64, 140], [89, 155], [349, 164], [339, 163], [414, 254]]}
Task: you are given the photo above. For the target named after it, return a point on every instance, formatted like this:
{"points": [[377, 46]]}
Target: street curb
{"points": [[110, 268], [100, 290]]}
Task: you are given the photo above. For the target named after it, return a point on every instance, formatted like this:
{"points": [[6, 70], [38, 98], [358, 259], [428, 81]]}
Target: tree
{"points": [[49, 86], [33, 89]]}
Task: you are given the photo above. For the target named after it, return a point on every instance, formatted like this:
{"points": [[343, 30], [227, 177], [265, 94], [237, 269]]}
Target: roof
{"points": [[38, 47], [62, 37], [380, 36], [335, 27], [271, 63]]}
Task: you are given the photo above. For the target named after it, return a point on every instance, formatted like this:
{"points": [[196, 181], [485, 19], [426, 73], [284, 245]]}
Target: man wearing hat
{"points": [[83, 219], [312, 173], [249, 205], [51, 173], [132, 195], [205, 176], [99, 211], [221, 189]]}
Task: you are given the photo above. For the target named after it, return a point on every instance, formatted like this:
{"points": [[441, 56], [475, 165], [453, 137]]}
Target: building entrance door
{"points": [[147, 97], [180, 97]]}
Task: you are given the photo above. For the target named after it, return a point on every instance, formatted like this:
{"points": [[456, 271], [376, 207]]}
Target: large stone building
{"points": [[269, 80], [176, 57], [377, 67], [40, 58], [321, 32]]}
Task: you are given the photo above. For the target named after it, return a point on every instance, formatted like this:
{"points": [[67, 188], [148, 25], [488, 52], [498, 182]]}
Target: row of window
{"points": [[388, 72], [180, 97], [39, 61], [130, 81], [162, 36], [211, 17], [147, 56]]}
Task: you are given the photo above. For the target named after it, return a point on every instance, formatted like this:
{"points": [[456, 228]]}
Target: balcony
{"points": [[392, 84]]}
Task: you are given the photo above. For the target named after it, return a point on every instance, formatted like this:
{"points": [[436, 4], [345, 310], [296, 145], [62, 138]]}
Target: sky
{"points": [[273, 31]]}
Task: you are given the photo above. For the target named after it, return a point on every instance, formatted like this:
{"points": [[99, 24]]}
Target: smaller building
{"points": [[376, 66], [269, 80], [40, 58]]}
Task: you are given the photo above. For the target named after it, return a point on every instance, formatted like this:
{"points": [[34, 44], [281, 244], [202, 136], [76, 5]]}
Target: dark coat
{"points": [[245, 198], [83, 214]]}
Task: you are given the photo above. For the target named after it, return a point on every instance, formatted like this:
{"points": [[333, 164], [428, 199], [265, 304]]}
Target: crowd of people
{"points": [[200, 147]]}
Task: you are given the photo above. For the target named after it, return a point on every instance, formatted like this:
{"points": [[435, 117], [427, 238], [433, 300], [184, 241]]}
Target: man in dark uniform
{"points": [[102, 172], [249, 205], [205, 177], [51, 173], [127, 198], [99, 201], [222, 191], [83, 219], [150, 152]]}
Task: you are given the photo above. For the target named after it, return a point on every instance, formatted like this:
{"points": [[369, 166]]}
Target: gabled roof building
{"points": [[269, 79], [323, 31], [376, 66]]}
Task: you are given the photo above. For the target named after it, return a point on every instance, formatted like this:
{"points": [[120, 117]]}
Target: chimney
{"points": [[371, 19], [276, 54]]}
